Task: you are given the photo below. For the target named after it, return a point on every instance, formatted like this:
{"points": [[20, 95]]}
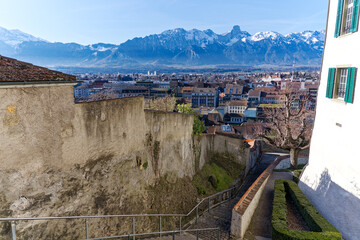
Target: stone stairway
{"points": [[184, 236], [220, 216]]}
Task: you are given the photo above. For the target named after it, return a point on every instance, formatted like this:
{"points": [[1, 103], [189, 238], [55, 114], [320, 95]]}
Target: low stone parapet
{"points": [[243, 211]]}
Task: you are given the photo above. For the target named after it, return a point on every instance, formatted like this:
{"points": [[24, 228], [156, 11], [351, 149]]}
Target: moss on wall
{"points": [[218, 174]]}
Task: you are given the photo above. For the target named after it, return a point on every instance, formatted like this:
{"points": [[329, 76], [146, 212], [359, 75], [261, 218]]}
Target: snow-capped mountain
{"points": [[15, 37], [265, 35], [172, 47], [309, 37]]}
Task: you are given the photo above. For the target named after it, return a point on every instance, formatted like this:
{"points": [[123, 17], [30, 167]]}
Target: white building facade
{"points": [[331, 180], [237, 107]]}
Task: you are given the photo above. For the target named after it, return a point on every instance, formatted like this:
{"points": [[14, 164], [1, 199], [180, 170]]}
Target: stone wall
{"points": [[169, 135], [207, 144], [58, 158], [42, 128]]}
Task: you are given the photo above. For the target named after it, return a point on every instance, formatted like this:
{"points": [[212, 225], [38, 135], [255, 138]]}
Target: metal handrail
{"points": [[156, 233], [210, 197], [14, 220], [88, 217], [120, 215]]}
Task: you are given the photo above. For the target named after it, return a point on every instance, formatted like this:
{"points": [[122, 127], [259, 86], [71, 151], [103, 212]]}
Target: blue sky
{"points": [[115, 21]]}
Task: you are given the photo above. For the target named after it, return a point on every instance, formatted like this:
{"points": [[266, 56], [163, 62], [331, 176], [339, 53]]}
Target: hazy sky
{"points": [[115, 21]]}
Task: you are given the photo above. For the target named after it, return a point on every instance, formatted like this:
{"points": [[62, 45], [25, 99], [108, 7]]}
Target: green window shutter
{"points": [[338, 18], [330, 83], [355, 17], [350, 85]]}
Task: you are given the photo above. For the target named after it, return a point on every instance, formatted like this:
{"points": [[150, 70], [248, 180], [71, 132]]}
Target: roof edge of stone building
{"points": [[13, 71]]}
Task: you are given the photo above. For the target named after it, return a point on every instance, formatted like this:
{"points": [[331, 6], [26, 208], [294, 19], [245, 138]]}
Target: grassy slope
{"points": [[218, 174]]}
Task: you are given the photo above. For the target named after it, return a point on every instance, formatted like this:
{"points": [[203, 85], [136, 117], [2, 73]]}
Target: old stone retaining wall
{"points": [[207, 144], [58, 158]]}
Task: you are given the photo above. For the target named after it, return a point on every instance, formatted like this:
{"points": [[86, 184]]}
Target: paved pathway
{"points": [[220, 217], [260, 226]]}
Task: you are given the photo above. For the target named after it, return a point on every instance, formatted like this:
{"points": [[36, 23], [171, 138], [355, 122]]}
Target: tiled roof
{"points": [[82, 86], [238, 103], [265, 89], [204, 90], [214, 118], [254, 93], [135, 87], [234, 87], [12, 70]]}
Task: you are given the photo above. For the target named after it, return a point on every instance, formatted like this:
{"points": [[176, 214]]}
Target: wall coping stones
{"points": [[246, 199]]}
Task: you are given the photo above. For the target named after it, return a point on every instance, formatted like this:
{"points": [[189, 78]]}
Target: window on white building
{"points": [[349, 13], [347, 17], [341, 84]]}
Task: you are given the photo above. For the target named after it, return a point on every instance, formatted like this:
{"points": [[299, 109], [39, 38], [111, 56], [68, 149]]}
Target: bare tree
{"points": [[166, 104], [289, 125], [102, 95]]}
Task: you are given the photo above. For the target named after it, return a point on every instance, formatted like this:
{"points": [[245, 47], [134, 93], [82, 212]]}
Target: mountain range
{"points": [[177, 47]]}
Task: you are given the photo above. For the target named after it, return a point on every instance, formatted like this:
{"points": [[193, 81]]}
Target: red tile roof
{"points": [[12, 70]]}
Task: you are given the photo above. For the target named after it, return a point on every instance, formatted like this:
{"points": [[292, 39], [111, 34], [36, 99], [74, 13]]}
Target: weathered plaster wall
{"points": [[206, 144], [111, 157], [171, 142], [34, 122], [61, 158], [41, 127]]}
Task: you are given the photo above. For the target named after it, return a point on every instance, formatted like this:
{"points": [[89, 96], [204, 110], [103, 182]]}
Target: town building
{"points": [[250, 114], [82, 91], [134, 90], [234, 118], [159, 92], [254, 96], [204, 97], [234, 89], [187, 92], [237, 107]]}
